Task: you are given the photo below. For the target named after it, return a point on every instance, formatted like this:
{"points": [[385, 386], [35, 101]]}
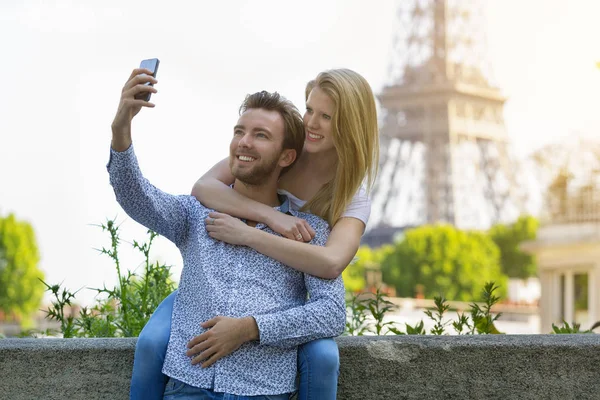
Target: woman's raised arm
{"points": [[214, 190]]}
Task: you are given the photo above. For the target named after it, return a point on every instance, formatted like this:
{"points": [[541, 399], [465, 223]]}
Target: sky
{"points": [[64, 63]]}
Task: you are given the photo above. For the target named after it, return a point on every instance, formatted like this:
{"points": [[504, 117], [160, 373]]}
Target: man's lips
{"points": [[245, 158]]}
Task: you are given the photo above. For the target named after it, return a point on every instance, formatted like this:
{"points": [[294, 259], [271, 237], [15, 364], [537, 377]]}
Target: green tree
{"points": [[508, 237], [366, 259], [21, 290], [443, 260]]}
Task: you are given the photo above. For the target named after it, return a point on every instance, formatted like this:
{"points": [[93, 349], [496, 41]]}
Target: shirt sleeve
{"points": [[323, 314], [359, 207], [161, 212]]}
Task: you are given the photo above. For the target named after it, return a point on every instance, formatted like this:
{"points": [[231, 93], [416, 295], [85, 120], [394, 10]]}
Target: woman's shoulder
{"points": [[361, 196], [360, 206]]}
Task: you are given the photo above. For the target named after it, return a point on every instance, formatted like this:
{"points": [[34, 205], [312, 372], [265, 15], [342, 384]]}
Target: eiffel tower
{"points": [[444, 147]]}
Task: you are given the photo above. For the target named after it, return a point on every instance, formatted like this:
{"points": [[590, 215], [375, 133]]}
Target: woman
{"points": [[340, 155]]}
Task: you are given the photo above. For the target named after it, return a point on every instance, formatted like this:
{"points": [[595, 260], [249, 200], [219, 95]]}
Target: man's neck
{"points": [[265, 193]]}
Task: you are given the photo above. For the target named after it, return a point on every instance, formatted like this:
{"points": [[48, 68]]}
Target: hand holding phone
{"points": [[134, 96], [152, 65]]}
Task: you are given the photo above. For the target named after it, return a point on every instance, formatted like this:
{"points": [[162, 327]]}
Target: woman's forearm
{"points": [[326, 262], [311, 259], [221, 197]]}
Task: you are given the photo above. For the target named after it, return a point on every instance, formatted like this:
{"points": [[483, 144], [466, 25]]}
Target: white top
{"points": [[359, 207]]}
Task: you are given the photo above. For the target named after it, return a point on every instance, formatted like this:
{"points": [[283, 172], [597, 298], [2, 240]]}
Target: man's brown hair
{"points": [[293, 127]]}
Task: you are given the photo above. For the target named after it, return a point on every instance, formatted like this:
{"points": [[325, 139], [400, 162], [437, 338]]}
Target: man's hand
{"points": [[129, 106], [224, 336]]}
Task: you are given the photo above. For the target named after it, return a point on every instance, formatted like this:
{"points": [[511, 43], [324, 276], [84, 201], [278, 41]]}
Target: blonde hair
{"points": [[355, 137]]}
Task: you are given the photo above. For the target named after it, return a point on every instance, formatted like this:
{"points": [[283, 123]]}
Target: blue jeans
{"points": [[177, 390], [318, 361]]}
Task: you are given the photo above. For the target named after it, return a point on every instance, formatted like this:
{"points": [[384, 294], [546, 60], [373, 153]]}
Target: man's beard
{"points": [[258, 174]]}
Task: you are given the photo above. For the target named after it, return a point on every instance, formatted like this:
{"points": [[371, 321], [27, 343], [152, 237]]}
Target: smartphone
{"points": [[152, 65]]}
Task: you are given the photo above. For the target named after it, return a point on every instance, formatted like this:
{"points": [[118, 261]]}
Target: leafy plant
{"points": [[356, 325], [437, 315], [418, 329], [379, 307], [123, 310], [375, 307], [482, 317], [575, 328]]}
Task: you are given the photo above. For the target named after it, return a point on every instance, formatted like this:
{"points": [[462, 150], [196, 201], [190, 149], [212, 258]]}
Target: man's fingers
{"points": [[204, 355], [138, 71], [132, 91], [197, 339], [197, 349], [138, 102], [213, 359], [139, 79], [210, 323]]}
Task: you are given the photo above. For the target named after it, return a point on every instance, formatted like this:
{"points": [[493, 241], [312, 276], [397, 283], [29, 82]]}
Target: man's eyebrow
{"points": [[235, 128], [262, 129]]}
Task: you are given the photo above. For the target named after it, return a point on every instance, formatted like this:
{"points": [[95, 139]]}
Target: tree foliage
{"points": [[444, 260], [21, 290], [515, 262], [366, 259]]}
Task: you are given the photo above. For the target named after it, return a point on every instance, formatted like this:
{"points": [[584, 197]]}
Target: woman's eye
{"points": [[327, 117]]}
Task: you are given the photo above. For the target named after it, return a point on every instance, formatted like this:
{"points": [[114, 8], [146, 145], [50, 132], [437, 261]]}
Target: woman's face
{"points": [[318, 122]]}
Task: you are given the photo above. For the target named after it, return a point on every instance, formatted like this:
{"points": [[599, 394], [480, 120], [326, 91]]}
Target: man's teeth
{"points": [[246, 158], [314, 136]]}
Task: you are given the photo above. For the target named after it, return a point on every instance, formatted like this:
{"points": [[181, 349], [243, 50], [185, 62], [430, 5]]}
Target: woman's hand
{"points": [[291, 227], [228, 229]]}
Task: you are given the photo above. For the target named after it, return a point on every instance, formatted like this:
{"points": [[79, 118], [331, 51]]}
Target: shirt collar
{"points": [[285, 204]]}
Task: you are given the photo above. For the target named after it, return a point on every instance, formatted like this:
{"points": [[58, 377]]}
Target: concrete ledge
{"points": [[385, 367]]}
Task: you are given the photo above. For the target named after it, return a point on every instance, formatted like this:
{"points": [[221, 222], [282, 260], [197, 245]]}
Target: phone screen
{"points": [[152, 65]]}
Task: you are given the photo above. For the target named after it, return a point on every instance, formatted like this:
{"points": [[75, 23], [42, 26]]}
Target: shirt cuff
{"points": [[120, 157], [265, 326]]}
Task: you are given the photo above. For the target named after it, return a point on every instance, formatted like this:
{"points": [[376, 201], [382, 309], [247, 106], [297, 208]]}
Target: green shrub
{"points": [[124, 310]]}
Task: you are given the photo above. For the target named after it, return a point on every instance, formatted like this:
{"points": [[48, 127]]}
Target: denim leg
{"points": [[147, 380], [177, 390], [319, 366]]}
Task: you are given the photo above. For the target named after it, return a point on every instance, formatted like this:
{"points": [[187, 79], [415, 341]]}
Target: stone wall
{"points": [[385, 367]]}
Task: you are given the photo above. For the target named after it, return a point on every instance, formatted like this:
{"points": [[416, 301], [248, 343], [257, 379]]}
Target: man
{"points": [[256, 307]]}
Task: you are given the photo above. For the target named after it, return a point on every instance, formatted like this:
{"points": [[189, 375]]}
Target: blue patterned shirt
{"points": [[235, 281]]}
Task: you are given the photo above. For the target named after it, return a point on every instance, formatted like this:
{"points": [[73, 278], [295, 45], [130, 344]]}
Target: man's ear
{"points": [[287, 157]]}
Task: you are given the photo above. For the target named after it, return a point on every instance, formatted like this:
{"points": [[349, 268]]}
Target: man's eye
{"points": [[237, 133], [261, 135], [309, 110]]}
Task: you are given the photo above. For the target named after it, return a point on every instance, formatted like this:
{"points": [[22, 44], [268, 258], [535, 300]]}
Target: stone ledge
{"points": [[385, 367]]}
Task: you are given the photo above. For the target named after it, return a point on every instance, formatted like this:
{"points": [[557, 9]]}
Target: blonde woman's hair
{"points": [[355, 137]]}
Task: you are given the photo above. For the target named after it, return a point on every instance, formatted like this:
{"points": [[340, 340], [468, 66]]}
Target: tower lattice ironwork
{"points": [[444, 147]]}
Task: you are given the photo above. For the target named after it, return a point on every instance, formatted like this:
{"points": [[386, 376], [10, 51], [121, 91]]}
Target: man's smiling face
{"points": [[257, 146]]}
